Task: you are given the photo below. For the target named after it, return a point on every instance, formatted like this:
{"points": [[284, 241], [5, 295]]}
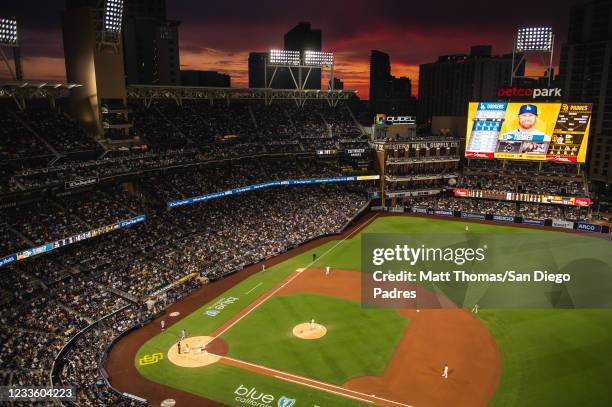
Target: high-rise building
{"points": [[303, 38], [257, 66], [388, 94], [205, 78], [150, 44], [380, 78], [300, 38], [585, 74], [449, 84], [338, 84]]}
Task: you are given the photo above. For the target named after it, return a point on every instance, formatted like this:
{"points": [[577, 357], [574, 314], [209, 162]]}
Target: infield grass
{"points": [[549, 357]]}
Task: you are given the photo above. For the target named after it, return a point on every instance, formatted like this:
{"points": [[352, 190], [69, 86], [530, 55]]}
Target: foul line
{"points": [[295, 275], [328, 390], [251, 290], [321, 385]]}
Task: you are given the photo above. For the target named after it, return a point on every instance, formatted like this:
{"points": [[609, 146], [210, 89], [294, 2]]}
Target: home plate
{"points": [[300, 269]]}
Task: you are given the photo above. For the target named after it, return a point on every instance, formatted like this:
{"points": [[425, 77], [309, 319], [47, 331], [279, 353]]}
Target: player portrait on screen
{"points": [[527, 119]]}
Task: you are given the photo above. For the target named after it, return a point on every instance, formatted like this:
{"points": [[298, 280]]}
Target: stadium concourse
{"points": [[61, 310]]}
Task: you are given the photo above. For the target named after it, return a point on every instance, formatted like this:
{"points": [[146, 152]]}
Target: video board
{"points": [[528, 131]]}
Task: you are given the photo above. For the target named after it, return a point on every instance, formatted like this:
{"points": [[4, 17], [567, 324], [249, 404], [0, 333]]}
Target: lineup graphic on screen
{"points": [[528, 131]]}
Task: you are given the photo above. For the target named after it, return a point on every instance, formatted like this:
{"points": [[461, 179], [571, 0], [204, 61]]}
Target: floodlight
{"points": [[534, 39], [284, 57], [318, 58], [8, 32], [113, 14]]}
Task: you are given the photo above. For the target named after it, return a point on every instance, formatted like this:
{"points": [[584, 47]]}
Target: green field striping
{"points": [[573, 372], [348, 350], [553, 357], [220, 382]]}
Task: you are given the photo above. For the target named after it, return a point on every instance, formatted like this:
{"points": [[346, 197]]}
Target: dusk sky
{"points": [[219, 35]]}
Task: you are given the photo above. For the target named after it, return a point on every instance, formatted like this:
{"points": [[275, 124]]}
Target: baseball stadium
{"points": [[171, 240]]}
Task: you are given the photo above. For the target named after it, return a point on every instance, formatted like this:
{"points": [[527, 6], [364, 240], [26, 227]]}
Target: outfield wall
{"points": [[556, 223]]}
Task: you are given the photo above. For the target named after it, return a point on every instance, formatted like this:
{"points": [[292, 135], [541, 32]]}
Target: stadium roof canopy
{"points": [[22, 90], [178, 93]]}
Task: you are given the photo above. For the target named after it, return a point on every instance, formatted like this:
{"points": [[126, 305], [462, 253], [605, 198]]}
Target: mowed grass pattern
{"points": [[549, 357], [359, 342]]}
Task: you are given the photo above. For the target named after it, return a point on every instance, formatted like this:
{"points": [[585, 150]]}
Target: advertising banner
{"points": [[528, 221], [560, 223], [443, 212], [528, 131], [503, 218], [588, 227], [311, 181], [416, 209], [47, 247], [473, 215]]}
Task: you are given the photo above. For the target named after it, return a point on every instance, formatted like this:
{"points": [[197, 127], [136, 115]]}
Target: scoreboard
{"points": [[558, 131], [522, 197]]}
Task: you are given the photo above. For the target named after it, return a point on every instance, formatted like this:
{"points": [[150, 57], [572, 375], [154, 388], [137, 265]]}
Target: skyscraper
{"points": [[585, 76], [380, 78], [388, 94], [150, 43], [449, 84], [303, 38]]}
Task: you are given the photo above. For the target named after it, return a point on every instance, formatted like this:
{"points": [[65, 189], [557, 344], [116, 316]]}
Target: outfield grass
{"points": [[359, 342], [549, 357]]}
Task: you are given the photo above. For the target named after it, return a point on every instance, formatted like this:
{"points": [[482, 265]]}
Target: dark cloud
{"points": [[219, 35]]}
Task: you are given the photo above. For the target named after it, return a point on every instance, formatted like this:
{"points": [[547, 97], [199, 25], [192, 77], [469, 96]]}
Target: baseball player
{"points": [[445, 371], [178, 345], [314, 257], [312, 324], [467, 228], [263, 268], [183, 334], [528, 115], [475, 309], [327, 270], [163, 325]]}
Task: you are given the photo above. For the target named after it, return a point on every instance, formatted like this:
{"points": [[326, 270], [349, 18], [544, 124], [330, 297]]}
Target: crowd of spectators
{"points": [[50, 298]]}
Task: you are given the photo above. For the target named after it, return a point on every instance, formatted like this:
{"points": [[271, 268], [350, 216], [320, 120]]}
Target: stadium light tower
{"points": [[108, 24], [299, 61], [537, 41], [9, 39]]}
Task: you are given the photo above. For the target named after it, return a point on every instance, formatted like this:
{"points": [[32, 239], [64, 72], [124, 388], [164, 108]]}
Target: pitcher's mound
{"points": [[309, 331], [197, 351]]}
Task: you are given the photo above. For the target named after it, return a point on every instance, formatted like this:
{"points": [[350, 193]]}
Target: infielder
{"points": [[183, 334], [475, 309], [327, 270], [445, 371], [312, 324]]}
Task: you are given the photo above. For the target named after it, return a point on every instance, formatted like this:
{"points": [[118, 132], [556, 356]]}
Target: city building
{"points": [[338, 84], [449, 84], [150, 44], [585, 76], [388, 94], [205, 78], [303, 38]]}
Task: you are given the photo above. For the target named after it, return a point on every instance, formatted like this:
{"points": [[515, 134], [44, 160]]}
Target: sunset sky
{"points": [[219, 35]]}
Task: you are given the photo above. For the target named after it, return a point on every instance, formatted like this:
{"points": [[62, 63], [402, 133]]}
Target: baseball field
{"points": [[294, 336]]}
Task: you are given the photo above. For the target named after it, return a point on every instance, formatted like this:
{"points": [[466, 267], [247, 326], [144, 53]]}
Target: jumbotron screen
{"points": [[528, 131]]}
